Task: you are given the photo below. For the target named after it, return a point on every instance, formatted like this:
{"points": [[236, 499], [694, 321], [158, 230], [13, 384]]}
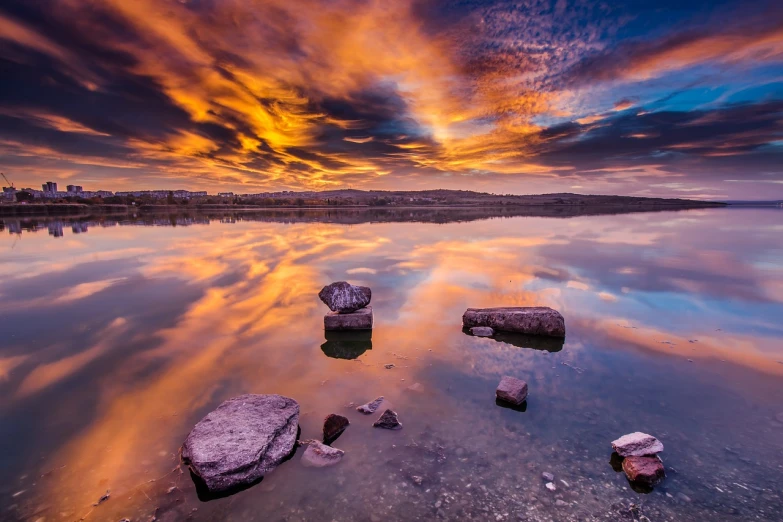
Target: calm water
{"points": [[118, 337]]}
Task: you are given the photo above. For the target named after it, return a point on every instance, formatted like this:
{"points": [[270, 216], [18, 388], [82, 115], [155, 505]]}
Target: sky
{"points": [[679, 98]]}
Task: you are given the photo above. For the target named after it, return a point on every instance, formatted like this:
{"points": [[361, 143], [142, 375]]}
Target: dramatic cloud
{"points": [[271, 94]]}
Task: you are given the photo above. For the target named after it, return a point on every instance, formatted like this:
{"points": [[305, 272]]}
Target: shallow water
{"points": [[119, 337]]}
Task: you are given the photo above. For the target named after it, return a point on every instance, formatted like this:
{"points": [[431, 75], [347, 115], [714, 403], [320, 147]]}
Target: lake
{"points": [[119, 334]]}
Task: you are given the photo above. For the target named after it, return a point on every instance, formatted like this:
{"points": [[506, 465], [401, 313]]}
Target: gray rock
{"points": [[537, 320], [388, 421], [482, 331], [511, 390], [549, 477], [334, 425], [240, 441], [370, 407], [361, 319], [344, 297], [319, 455], [637, 444]]}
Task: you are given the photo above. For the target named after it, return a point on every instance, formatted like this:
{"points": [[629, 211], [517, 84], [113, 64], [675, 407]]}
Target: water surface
{"points": [[118, 336]]}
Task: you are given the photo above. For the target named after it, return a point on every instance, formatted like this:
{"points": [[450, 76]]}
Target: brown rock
{"points": [[512, 390], [334, 425], [537, 320], [361, 319], [388, 421], [647, 471]]}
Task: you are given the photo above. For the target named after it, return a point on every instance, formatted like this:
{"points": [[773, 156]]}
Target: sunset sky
{"points": [[668, 98]]}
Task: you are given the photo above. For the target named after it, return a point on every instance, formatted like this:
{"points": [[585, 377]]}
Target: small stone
{"points": [[637, 444], [388, 421], [417, 388], [319, 455], [482, 331], [343, 297], [388, 366], [511, 390], [549, 477], [560, 503], [551, 486], [417, 480], [647, 471], [370, 407], [334, 425]]}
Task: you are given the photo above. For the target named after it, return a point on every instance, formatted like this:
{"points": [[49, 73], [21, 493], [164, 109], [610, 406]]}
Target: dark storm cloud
{"points": [[319, 93]]}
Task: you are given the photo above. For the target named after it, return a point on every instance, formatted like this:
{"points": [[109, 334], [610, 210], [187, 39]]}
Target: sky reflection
{"points": [[116, 344]]}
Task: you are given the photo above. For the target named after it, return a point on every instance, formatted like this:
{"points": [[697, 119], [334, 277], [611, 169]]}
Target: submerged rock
{"points": [[511, 390], [482, 331], [319, 455], [370, 407], [416, 387], [549, 477], [536, 320], [240, 441], [388, 421], [344, 297], [334, 425], [361, 319], [637, 444], [645, 471]]}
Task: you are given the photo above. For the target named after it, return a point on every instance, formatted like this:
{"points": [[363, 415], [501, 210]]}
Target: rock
{"points": [[482, 331], [370, 407], [240, 441], [334, 425], [647, 471], [416, 387], [549, 477], [536, 320], [319, 455], [388, 421], [637, 444], [511, 390], [361, 319], [344, 297], [551, 486]]}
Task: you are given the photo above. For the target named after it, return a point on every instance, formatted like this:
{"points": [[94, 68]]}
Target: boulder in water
{"points": [[241, 440], [535, 320], [343, 297]]}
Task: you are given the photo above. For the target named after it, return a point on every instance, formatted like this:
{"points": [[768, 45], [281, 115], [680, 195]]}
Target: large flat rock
{"points": [[359, 320], [535, 320], [637, 444], [343, 297], [240, 441]]}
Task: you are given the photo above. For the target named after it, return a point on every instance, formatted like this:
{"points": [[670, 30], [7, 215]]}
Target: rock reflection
{"points": [[534, 342], [347, 344], [522, 408]]}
